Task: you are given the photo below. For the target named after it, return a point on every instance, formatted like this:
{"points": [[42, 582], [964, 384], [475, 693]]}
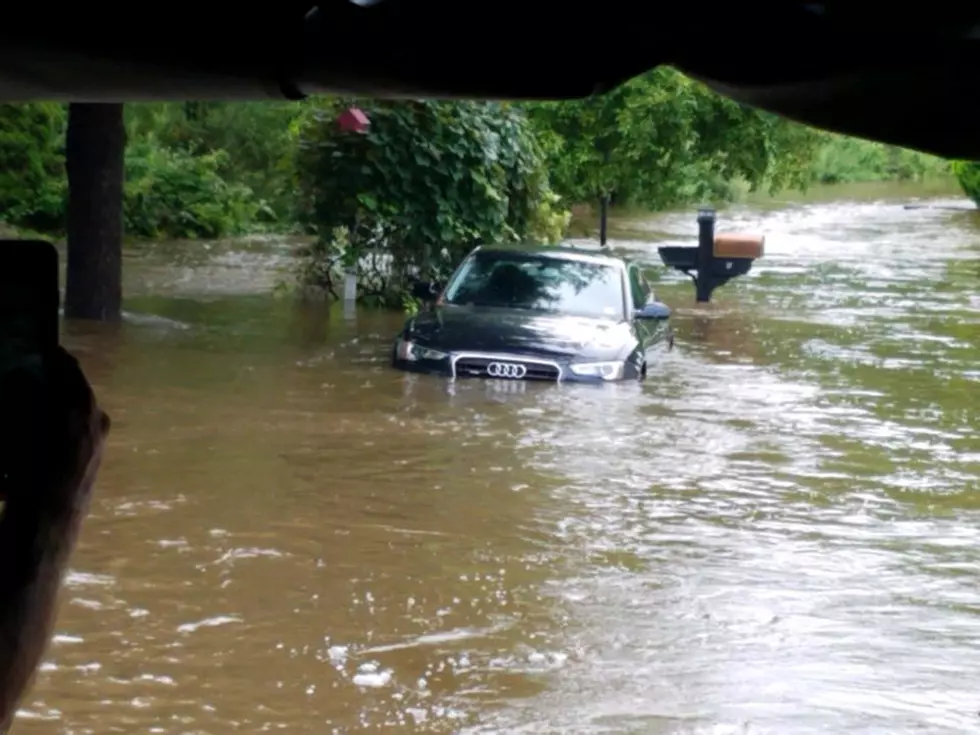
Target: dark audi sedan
{"points": [[544, 313]]}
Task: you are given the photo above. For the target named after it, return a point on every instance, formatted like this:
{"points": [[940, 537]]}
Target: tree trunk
{"points": [[94, 151]]}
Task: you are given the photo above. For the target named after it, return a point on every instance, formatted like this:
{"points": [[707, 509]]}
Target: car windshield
{"points": [[538, 282]]}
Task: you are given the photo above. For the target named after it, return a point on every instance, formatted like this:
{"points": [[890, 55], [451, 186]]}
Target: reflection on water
{"points": [[778, 532]]}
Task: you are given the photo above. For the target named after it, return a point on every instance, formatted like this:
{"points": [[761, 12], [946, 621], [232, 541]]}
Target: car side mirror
{"points": [[425, 291], [653, 310]]}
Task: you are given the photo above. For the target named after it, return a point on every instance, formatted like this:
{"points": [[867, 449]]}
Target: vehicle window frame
{"points": [[633, 272], [452, 284], [457, 275], [646, 285]]}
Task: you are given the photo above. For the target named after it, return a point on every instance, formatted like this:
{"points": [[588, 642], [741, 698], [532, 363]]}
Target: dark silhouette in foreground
{"points": [[52, 440]]}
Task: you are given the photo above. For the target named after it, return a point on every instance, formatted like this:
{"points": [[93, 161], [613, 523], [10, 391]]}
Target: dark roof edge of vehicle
{"points": [[568, 252], [877, 70]]}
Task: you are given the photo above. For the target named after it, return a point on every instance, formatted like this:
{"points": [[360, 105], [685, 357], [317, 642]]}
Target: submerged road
{"points": [[779, 532]]}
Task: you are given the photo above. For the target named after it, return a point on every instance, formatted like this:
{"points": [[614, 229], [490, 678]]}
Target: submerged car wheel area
{"points": [[536, 314]]}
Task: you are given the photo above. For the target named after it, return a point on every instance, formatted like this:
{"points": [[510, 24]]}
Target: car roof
{"points": [[563, 252]]}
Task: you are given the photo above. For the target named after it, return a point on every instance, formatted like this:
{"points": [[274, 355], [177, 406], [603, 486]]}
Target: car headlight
{"points": [[604, 370], [408, 350]]}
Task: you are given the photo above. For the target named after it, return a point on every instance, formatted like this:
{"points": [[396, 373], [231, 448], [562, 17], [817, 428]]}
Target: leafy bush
{"points": [[843, 160], [967, 173], [33, 186], [426, 183], [259, 137], [171, 193]]}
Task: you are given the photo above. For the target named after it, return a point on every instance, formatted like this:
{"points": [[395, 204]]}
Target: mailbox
{"points": [[716, 259]]}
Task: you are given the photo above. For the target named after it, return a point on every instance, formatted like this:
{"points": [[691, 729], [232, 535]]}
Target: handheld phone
{"points": [[29, 300]]}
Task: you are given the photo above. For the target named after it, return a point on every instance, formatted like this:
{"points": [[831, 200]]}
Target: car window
{"points": [[639, 286], [539, 282]]}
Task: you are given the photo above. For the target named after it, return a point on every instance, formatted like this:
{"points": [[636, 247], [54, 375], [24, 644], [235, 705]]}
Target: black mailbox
{"points": [[716, 259]]}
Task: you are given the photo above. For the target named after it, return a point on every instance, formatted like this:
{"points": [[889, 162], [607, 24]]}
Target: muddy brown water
{"points": [[779, 532]]}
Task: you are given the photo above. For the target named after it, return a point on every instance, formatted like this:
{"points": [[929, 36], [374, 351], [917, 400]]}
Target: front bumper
{"points": [[497, 366]]}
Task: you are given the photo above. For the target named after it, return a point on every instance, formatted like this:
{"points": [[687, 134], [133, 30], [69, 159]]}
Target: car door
{"points": [[649, 332]]}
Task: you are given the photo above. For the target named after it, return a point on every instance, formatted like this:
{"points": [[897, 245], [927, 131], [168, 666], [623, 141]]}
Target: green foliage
{"points": [[426, 183], [411, 305], [257, 140], [429, 180], [185, 176], [33, 188], [549, 220], [967, 173], [663, 139], [843, 160], [172, 193]]}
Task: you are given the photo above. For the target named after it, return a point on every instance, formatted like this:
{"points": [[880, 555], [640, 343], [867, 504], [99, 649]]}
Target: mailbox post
{"points": [[706, 255], [716, 259]]}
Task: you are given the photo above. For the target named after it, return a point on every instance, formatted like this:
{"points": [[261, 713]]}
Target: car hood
{"points": [[483, 329]]}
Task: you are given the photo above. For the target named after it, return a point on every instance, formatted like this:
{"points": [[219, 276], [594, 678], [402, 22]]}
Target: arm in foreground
{"points": [[52, 443]]}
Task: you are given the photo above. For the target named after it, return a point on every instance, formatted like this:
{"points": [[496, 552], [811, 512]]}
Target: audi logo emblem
{"points": [[506, 370]]}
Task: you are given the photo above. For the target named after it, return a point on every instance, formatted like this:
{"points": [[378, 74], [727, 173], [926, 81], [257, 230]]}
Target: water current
{"points": [[778, 532]]}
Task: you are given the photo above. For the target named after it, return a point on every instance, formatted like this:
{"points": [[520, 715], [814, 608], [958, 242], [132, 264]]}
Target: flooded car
{"points": [[543, 313]]}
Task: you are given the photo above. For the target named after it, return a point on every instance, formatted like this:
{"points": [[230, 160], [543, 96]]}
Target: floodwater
{"points": [[779, 532]]}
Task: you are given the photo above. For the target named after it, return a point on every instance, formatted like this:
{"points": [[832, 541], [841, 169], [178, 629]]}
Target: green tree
{"points": [[171, 193], [841, 159], [33, 188], [423, 185], [968, 175], [176, 185], [257, 140], [663, 139]]}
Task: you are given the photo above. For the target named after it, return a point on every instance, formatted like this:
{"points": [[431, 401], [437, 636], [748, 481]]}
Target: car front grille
{"points": [[484, 366]]}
